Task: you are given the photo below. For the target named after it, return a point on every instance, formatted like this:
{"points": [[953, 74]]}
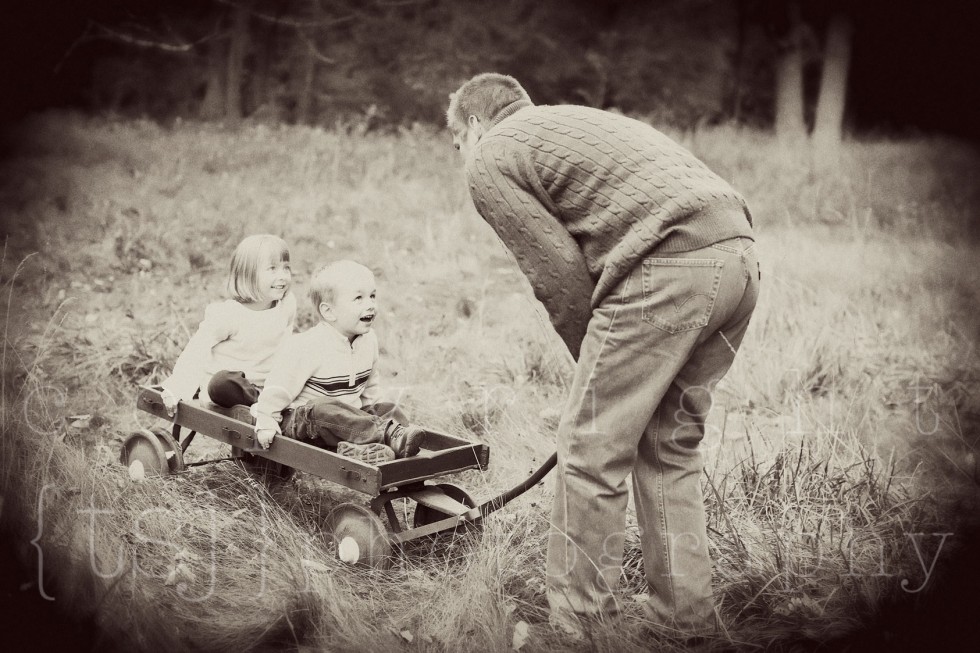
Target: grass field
{"points": [[841, 475]]}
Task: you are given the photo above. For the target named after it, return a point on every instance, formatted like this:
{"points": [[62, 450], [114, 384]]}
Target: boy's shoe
{"points": [[373, 453], [405, 440]]}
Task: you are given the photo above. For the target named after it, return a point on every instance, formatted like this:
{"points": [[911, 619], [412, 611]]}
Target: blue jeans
{"points": [[653, 352], [328, 421]]}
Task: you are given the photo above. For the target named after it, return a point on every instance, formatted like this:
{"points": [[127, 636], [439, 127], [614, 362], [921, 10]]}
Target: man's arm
{"points": [[502, 185]]}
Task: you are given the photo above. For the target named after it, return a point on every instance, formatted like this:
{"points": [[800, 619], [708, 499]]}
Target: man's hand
{"points": [[170, 401], [264, 437]]}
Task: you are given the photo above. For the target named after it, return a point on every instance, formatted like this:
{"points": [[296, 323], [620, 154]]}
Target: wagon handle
{"points": [[500, 501]]}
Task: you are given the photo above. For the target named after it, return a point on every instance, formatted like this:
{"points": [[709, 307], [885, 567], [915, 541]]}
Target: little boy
{"points": [[323, 385]]}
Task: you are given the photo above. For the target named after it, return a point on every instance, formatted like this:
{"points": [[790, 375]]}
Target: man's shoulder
{"points": [[542, 115], [525, 120], [526, 129]]}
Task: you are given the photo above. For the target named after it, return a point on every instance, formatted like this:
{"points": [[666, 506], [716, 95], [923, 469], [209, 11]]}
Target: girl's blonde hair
{"points": [[252, 252]]}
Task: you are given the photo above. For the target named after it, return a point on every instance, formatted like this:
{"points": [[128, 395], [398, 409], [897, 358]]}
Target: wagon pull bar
{"points": [[471, 515], [478, 513], [500, 501]]}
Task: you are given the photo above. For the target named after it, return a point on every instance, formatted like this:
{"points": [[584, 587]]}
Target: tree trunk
{"points": [[304, 96], [237, 49], [735, 110], [213, 104], [789, 79], [264, 85], [260, 71], [303, 83], [833, 88]]}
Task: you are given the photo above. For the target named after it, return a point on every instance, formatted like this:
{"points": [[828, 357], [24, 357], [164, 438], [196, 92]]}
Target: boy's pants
{"points": [[327, 420], [653, 352], [331, 421]]}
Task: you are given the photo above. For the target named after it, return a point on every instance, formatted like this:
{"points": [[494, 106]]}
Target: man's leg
{"points": [[638, 342], [623, 371], [666, 477]]}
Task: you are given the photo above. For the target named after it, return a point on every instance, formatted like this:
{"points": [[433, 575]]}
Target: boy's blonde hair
{"points": [[245, 262], [323, 283]]}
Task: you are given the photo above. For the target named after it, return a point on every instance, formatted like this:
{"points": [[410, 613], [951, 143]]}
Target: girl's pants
{"points": [[229, 389]]}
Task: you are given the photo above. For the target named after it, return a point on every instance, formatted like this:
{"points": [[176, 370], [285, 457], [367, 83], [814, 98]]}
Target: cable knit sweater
{"points": [[581, 195]]}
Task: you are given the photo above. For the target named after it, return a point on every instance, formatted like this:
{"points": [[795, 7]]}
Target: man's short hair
{"points": [[483, 96]]}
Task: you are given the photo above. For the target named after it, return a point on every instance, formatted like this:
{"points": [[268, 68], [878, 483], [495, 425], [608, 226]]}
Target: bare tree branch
{"points": [[82, 38], [130, 39], [289, 22], [314, 50], [108, 32], [398, 3]]}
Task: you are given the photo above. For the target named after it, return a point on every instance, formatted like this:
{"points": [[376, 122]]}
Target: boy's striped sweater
{"points": [[319, 362]]}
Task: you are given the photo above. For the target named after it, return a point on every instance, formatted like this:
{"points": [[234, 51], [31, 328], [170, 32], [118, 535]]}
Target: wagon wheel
{"points": [[171, 449], [425, 515], [262, 468], [360, 536], [144, 451]]}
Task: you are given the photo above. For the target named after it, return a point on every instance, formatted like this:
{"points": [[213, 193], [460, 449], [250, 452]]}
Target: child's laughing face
{"points": [[272, 281], [355, 305]]}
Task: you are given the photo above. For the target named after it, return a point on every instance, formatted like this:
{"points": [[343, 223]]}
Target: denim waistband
{"points": [[737, 245]]}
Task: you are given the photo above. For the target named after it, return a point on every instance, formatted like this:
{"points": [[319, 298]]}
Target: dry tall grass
{"points": [[840, 449]]}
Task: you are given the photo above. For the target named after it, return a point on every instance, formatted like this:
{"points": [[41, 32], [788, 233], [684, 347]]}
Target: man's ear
{"points": [[326, 312], [474, 123]]}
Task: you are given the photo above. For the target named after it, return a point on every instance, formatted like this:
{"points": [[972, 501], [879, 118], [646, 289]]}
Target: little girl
{"points": [[230, 355]]}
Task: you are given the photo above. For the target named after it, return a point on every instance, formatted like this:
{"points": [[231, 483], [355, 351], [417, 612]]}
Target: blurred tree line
{"points": [[389, 62]]}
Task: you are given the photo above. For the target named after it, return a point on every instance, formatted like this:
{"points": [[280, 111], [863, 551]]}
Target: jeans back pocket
{"points": [[679, 293]]}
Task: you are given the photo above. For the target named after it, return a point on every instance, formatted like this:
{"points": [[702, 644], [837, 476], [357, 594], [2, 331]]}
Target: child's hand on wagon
{"points": [[170, 401], [264, 437]]}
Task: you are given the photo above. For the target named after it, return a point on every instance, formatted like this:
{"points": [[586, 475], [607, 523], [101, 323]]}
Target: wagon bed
{"points": [[441, 453], [357, 532]]}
